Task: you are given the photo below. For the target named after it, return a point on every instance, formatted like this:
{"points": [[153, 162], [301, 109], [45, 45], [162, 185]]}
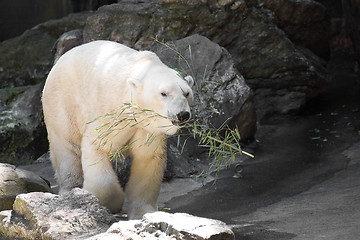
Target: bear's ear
{"points": [[189, 80], [134, 82]]}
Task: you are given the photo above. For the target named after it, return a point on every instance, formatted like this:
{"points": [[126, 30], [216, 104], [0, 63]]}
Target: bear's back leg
{"points": [[66, 160]]}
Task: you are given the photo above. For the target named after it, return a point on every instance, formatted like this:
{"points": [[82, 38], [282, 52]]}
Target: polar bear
{"points": [[96, 79]]}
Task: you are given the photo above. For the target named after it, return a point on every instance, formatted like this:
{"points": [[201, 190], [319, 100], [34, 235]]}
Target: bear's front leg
{"points": [[147, 170], [99, 176]]}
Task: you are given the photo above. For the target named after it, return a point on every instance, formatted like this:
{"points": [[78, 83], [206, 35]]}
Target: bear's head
{"points": [[163, 91]]}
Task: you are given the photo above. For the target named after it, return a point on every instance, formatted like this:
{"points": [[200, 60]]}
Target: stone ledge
{"points": [[79, 215]]}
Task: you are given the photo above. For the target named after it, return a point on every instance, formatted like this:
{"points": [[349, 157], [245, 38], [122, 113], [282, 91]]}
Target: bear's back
{"points": [[84, 81], [99, 53]]}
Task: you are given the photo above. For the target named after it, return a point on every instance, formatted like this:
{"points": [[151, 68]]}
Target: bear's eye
{"points": [[164, 94], [187, 94]]}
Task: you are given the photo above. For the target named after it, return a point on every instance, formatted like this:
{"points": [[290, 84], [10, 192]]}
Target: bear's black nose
{"points": [[183, 116]]}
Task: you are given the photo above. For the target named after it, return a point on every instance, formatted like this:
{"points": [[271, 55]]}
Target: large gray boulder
{"points": [[23, 135], [49, 216], [14, 181]]}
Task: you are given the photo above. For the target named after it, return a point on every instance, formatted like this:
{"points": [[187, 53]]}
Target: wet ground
{"points": [[304, 182]]}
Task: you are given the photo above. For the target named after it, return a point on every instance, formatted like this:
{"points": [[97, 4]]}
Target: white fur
{"points": [[98, 78]]}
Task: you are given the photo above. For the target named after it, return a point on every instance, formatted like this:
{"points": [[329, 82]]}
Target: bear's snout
{"points": [[183, 116]]}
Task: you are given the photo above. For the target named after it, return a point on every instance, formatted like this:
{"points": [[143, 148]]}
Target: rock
{"points": [[305, 22], [43, 167], [72, 215], [26, 60], [270, 62], [67, 41], [351, 9], [178, 164], [14, 181], [23, 136], [161, 225], [262, 52]]}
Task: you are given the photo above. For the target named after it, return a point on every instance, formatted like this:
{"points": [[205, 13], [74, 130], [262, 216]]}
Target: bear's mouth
{"points": [[175, 122], [178, 123], [181, 118]]}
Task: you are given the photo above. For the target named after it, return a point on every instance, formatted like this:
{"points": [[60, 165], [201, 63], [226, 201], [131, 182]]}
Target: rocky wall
{"points": [[281, 74]]}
